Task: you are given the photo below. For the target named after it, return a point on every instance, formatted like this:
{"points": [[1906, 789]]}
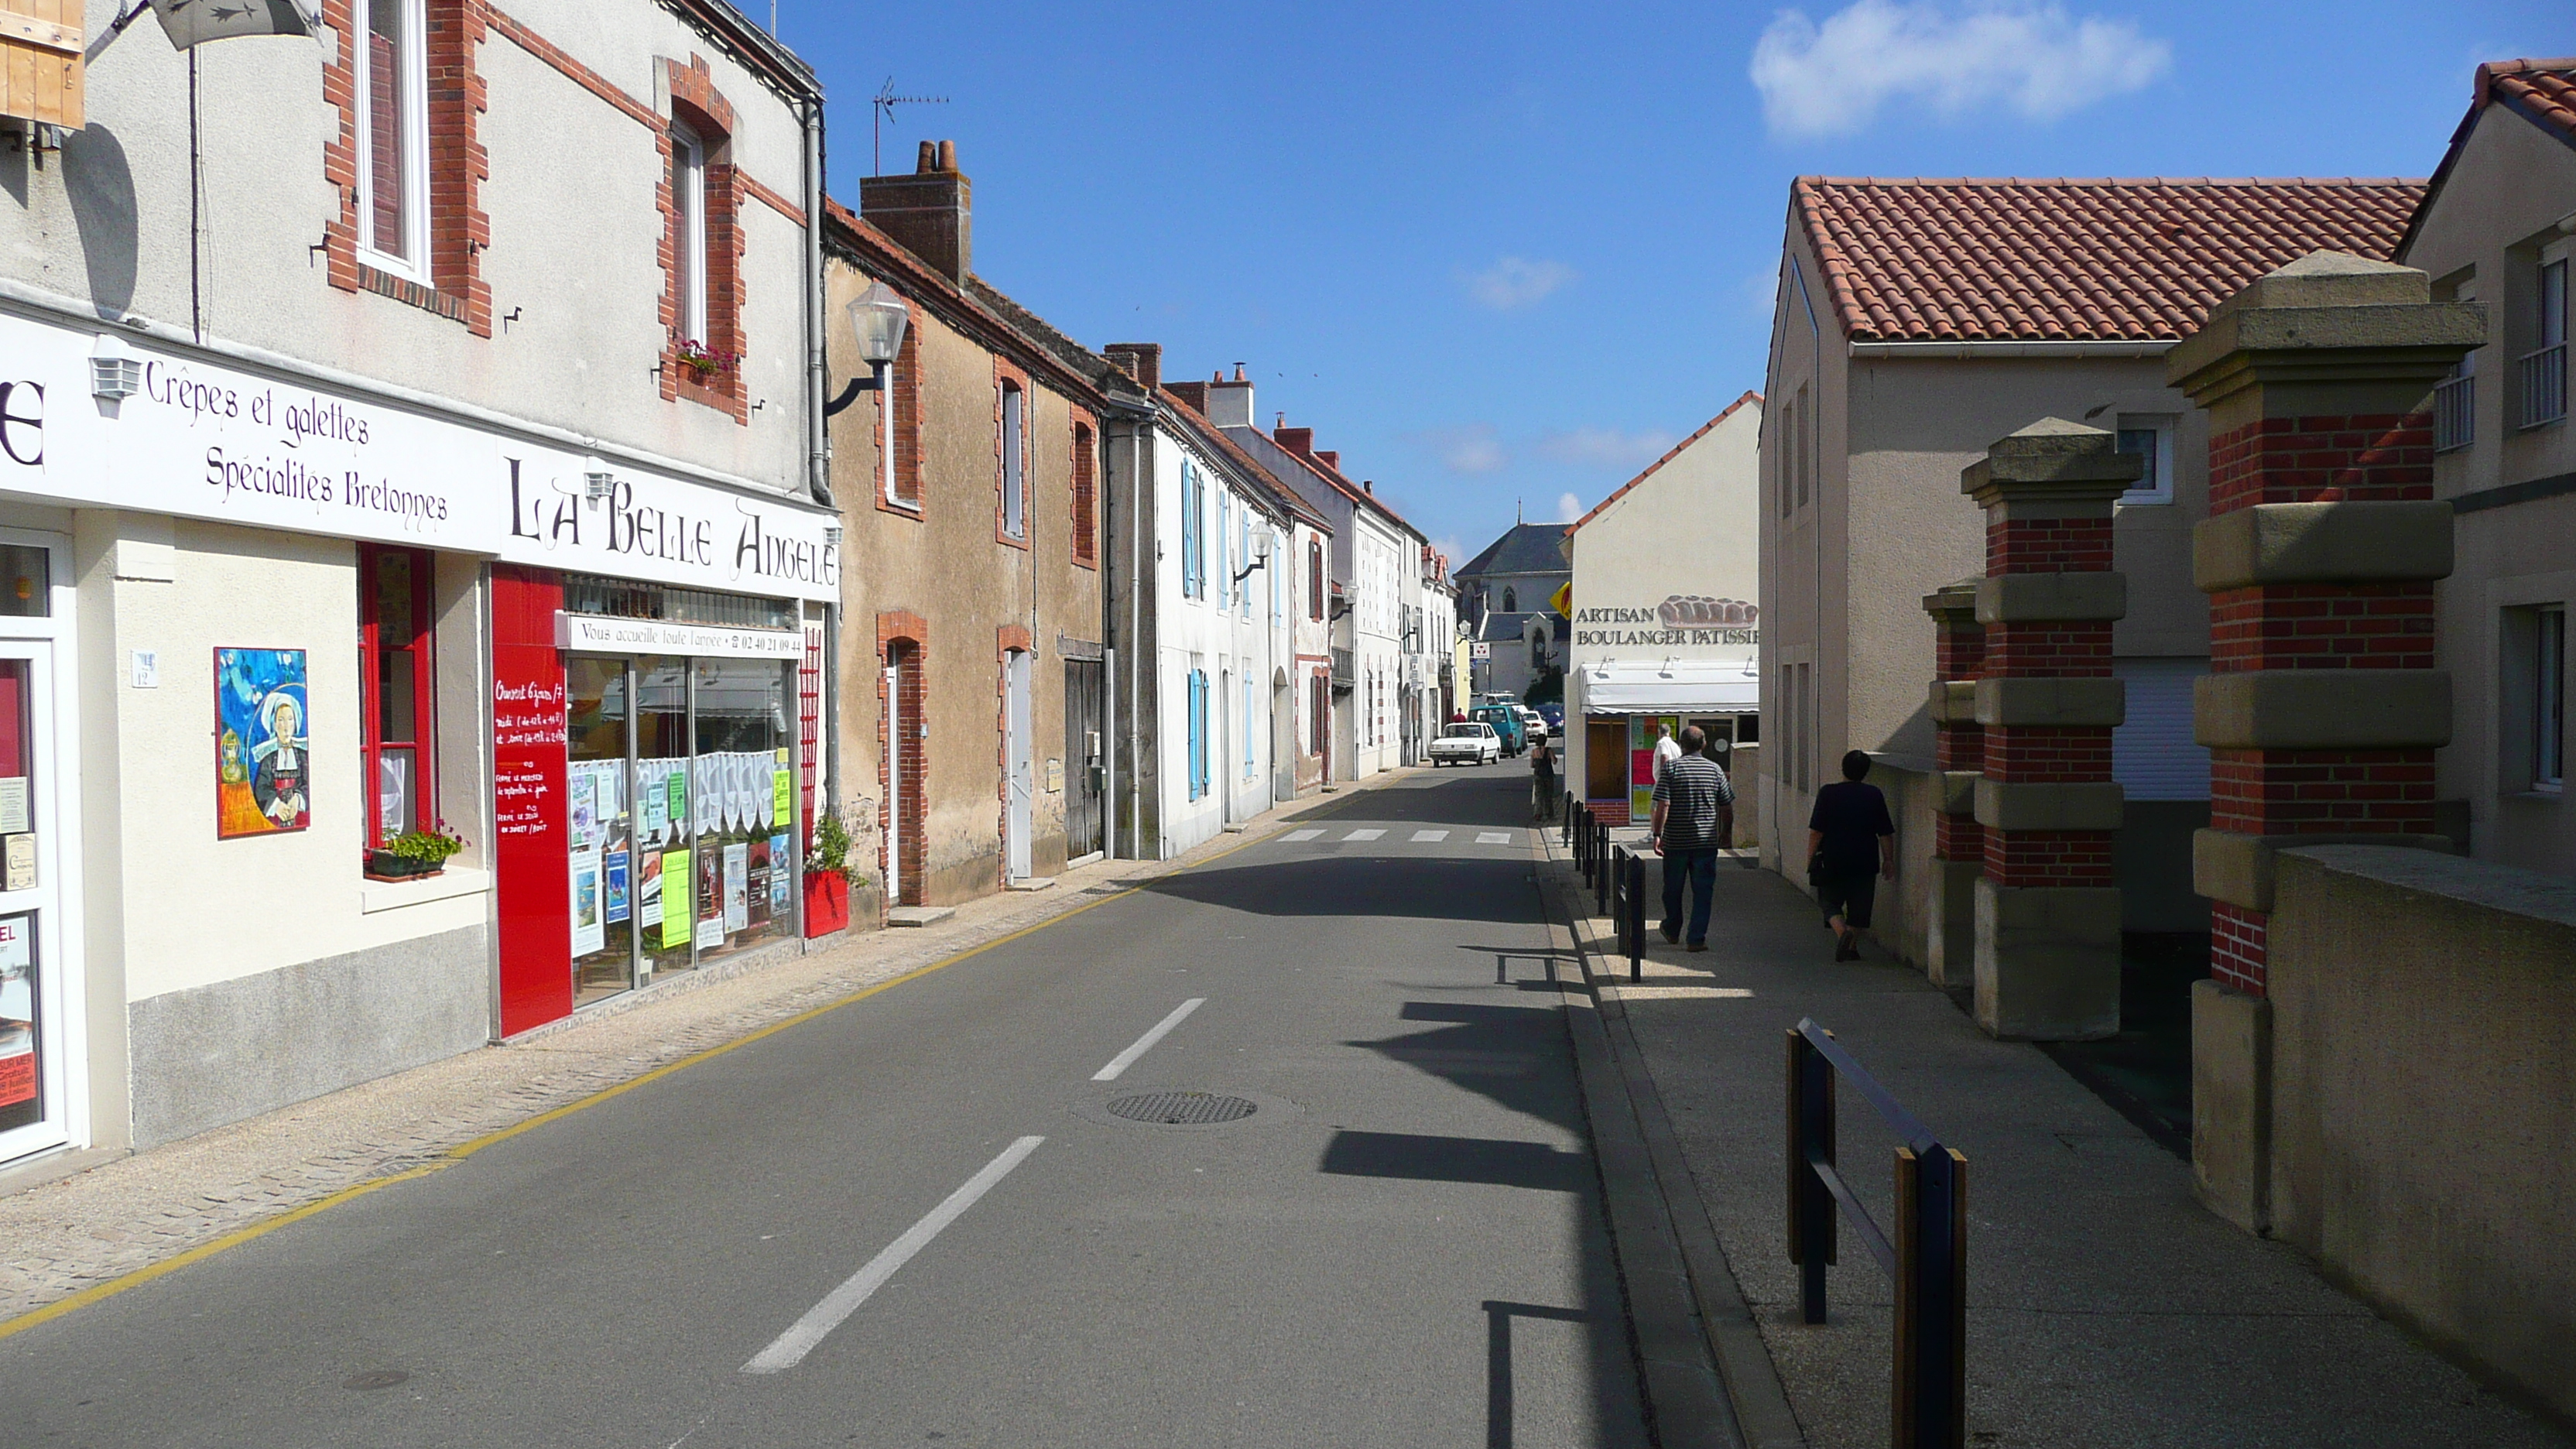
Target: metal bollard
{"points": [[1636, 917], [1930, 1401], [1812, 1222]]}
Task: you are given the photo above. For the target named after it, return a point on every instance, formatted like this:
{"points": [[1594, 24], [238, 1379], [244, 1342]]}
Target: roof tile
{"points": [[2091, 259]]}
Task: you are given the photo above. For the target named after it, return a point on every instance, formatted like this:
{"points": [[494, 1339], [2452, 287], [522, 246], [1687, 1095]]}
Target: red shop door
{"points": [[529, 845]]}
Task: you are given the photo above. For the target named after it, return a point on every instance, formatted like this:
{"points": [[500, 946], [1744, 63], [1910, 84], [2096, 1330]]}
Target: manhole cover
{"points": [[1183, 1109]]}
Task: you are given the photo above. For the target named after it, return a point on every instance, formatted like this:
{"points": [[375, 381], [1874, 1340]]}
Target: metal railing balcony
{"points": [[2544, 385], [2455, 413]]}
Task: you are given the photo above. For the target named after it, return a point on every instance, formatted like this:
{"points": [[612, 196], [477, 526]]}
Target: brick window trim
{"points": [[459, 229], [1007, 374], [902, 639], [898, 426], [1083, 484], [697, 104]]}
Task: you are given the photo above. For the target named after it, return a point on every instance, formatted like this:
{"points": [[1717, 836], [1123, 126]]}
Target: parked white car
{"points": [[1466, 744]]}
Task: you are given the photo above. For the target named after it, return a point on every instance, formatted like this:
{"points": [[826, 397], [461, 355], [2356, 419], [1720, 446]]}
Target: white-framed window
{"points": [[1015, 482], [689, 199], [2150, 435], [393, 137]]}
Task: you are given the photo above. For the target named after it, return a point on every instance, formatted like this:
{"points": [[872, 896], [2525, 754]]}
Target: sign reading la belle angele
{"points": [[203, 440]]}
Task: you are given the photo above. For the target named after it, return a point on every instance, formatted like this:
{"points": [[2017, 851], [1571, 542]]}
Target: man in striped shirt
{"points": [[1690, 793]]}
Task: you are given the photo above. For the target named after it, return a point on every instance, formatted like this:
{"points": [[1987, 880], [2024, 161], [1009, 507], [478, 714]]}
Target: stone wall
{"points": [[2423, 1111]]}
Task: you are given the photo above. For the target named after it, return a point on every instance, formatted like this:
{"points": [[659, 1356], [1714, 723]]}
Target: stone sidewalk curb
{"points": [[114, 1215], [1755, 1404]]}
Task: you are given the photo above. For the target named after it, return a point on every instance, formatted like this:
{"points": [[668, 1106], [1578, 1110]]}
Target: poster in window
{"points": [[17, 1021], [648, 894], [675, 898], [737, 896], [585, 810], [675, 795], [711, 892], [650, 795], [589, 933], [612, 882], [781, 876], [756, 891], [263, 757]]}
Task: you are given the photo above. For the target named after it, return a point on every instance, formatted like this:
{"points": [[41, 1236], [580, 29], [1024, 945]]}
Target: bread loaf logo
{"points": [[1698, 611]]}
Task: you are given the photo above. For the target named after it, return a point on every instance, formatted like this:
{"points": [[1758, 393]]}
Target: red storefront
{"points": [[653, 779]]}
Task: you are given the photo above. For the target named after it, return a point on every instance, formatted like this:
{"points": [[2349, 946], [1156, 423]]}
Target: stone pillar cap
{"points": [[1958, 598], [2329, 317], [2052, 459]]}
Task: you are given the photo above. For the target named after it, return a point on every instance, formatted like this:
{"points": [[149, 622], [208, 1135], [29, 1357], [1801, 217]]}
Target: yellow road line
{"points": [[463, 1150]]}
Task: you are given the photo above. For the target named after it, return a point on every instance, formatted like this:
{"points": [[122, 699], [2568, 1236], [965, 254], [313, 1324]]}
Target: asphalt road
{"points": [[915, 1221]]}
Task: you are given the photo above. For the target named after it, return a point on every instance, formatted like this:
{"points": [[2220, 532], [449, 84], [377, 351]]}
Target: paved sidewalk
{"points": [[67, 1236], [2106, 1307]]}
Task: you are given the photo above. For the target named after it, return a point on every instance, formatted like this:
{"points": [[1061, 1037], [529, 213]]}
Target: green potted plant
{"points": [[827, 876], [414, 854]]}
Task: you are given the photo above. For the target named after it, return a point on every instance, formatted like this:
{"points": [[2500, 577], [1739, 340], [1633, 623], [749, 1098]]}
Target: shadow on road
{"points": [[1421, 1158], [1427, 887]]}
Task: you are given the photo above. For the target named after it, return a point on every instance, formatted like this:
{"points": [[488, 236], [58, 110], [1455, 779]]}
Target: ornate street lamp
{"points": [[879, 317]]}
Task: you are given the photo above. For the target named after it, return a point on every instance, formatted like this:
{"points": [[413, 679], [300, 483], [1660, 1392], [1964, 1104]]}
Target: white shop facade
{"points": [[258, 619]]}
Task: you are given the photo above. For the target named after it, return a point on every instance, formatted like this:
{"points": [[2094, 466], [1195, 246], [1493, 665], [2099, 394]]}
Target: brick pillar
{"points": [[2047, 934], [1959, 754], [2322, 708]]}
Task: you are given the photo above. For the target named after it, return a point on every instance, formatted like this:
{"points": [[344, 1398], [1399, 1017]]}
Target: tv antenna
{"points": [[881, 106]]}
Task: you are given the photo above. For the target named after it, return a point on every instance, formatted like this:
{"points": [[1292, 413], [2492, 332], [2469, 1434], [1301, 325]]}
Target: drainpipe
{"points": [[818, 438]]}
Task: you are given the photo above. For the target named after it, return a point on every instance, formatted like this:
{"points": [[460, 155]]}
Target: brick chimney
{"points": [[1142, 361], [1329, 458], [1229, 401], [929, 213], [1192, 393]]}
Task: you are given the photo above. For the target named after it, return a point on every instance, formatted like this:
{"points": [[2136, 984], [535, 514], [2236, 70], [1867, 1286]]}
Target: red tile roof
{"points": [[1913, 260], [2542, 90]]}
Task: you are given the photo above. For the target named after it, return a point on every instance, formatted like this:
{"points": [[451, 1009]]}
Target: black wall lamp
{"points": [[880, 317], [1260, 555]]}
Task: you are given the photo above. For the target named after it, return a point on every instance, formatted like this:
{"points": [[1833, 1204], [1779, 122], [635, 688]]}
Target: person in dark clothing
{"points": [[1851, 842], [1689, 793], [1543, 781]]}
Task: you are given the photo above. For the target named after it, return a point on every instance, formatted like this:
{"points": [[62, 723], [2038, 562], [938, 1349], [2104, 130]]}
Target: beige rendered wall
{"points": [[2498, 215], [948, 566], [2423, 1017]]}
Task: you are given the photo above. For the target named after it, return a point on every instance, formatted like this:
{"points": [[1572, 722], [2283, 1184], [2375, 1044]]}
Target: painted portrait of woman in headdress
{"points": [[263, 758]]}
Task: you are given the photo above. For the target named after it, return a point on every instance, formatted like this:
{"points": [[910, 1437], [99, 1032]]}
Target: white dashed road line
{"points": [[1297, 835], [819, 1321], [1493, 837], [1364, 835], [1425, 837], [1145, 1043]]}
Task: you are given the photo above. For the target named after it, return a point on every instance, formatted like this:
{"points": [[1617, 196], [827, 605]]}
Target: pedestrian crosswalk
{"points": [[1363, 834]]}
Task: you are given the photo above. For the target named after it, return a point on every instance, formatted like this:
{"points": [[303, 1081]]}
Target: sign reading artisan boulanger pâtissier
{"points": [[204, 440], [1680, 621]]}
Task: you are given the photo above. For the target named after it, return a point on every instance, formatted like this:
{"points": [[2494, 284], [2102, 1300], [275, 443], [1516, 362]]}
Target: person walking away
{"points": [[1666, 751], [1689, 793], [1851, 842], [1543, 781]]}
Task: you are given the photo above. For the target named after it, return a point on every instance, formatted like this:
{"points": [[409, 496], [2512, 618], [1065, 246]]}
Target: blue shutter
{"points": [[1189, 531], [1225, 550], [1198, 734], [1247, 722]]}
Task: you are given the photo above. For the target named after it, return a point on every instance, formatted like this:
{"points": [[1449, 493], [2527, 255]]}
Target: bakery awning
{"points": [[1670, 686]]}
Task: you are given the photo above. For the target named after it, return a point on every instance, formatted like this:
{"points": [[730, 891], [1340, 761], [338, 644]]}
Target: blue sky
{"points": [[1504, 254]]}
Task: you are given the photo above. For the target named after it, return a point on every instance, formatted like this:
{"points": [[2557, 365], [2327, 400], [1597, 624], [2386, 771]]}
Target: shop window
{"points": [[1086, 548], [393, 175], [394, 658]]}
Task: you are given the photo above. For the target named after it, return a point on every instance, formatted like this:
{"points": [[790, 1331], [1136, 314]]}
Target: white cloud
{"points": [[2032, 59], [1515, 282], [1470, 450], [1568, 508], [1448, 547], [1606, 447]]}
